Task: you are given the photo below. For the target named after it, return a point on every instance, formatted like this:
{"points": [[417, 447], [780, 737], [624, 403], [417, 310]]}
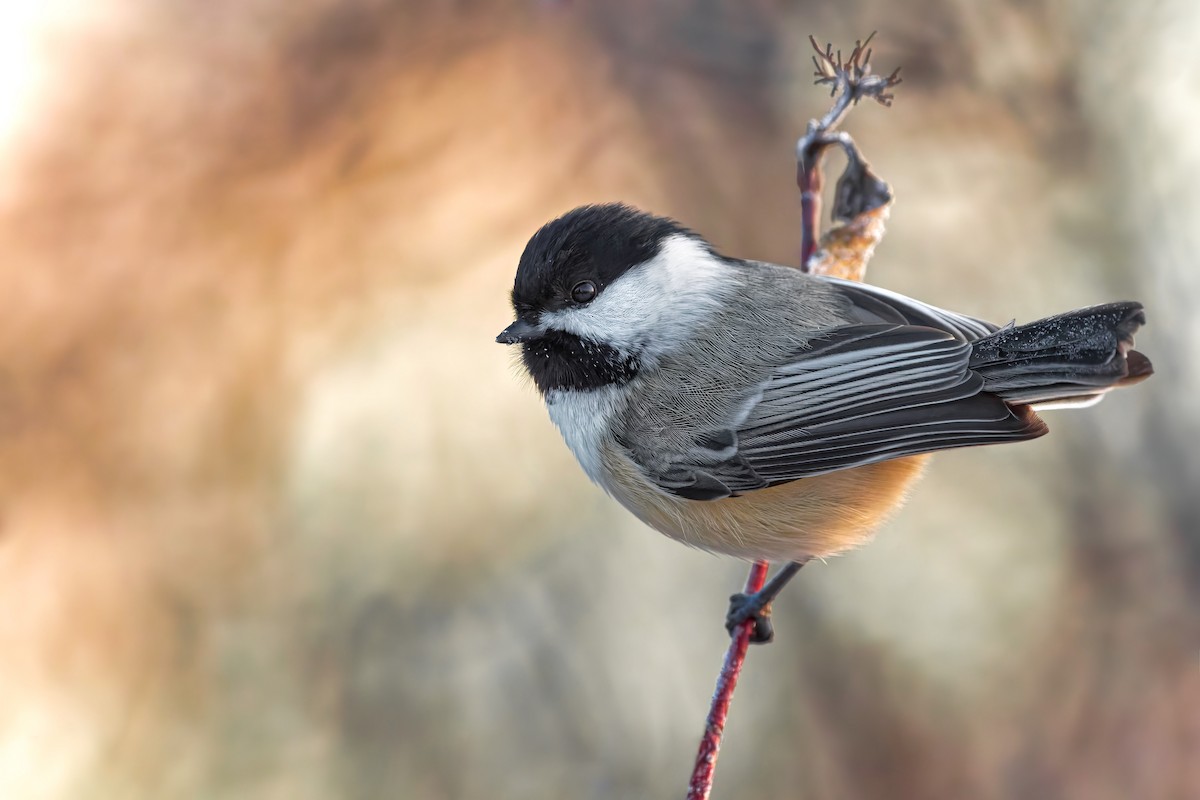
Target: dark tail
{"points": [[1072, 358]]}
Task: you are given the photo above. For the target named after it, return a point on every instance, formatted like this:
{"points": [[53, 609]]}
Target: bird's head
{"points": [[605, 291]]}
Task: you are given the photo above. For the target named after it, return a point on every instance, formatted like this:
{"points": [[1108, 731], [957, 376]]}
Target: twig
{"points": [[700, 785], [850, 81], [861, 202]]}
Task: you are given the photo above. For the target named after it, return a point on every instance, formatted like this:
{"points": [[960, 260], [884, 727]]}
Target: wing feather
{"points": [[856, 395], [871, 304]]}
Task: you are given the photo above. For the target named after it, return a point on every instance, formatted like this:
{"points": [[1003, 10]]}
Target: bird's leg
{"points": [[757, 606]]}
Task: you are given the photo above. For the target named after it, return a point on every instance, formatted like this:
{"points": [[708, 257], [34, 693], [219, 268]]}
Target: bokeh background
{"points": [[279, 520]]}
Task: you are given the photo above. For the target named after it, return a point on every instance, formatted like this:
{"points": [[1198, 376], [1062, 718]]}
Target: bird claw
{"points": [[750, 607]]}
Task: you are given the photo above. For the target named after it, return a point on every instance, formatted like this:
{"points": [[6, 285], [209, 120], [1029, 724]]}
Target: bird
{"points": [[763, 412]]}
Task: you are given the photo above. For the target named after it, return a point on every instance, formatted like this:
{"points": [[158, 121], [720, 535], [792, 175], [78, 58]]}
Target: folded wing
{"points": [[870, 304], [857, 395]]}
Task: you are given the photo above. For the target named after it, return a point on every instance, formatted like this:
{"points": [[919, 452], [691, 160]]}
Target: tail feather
{"points": [[1068, 359]]}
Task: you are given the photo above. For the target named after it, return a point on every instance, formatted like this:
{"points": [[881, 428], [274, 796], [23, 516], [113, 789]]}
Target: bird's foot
{"points": [[751, 607], [757, 606]]}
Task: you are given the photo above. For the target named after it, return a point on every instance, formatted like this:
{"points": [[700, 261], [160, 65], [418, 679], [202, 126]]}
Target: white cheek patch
{"points": [[656, 306]]}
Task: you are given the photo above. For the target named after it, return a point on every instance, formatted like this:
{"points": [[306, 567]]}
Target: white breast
{"points": [[585, 419]]}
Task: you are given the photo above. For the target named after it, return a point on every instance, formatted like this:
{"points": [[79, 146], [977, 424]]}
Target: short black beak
{"points": [[518, 333]]}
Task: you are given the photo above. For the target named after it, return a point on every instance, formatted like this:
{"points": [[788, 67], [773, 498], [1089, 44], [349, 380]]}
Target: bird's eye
{"points": [[583, 292]]}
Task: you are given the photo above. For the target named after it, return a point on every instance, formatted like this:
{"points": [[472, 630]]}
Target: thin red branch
{"points": [[859, 191], [700, 785], [811, 181]]}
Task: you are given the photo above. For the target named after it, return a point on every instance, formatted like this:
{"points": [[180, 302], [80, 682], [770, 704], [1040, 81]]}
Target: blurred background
{"points": [[279, 520]]}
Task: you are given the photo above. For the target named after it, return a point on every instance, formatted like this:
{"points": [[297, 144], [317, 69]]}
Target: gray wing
{"points": [[858, 395], [870, 304]]}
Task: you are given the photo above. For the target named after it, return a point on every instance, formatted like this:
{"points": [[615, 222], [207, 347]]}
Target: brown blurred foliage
{"points": [[278, 519]]}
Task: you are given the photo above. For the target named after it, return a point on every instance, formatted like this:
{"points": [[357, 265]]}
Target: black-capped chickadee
{"points": [[762, 412]]}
